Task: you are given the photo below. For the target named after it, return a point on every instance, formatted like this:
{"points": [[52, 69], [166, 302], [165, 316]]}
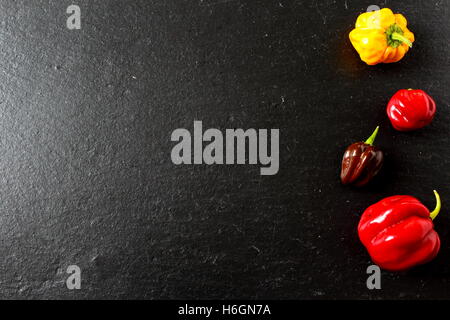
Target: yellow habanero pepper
{"points": [[381, 37]]}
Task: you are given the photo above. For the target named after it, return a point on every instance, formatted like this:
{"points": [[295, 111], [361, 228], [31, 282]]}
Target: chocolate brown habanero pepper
{"points": [[361, 162]]}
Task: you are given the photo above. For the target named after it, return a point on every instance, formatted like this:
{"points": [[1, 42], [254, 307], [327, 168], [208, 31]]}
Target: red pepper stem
{"points": [[435, 212], [372, 137]]}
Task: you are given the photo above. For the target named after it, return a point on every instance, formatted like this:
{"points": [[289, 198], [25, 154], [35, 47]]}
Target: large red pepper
{"points": [[411, 109], [398, 232]]}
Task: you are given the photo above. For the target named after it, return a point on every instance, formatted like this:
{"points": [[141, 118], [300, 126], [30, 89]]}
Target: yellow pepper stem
{"points": [[436, 210], [399, 37]]}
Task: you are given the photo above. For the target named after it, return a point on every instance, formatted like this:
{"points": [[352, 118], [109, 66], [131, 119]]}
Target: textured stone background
{"points": [[85, 169]]}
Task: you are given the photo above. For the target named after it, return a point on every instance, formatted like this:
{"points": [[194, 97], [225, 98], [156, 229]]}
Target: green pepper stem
{"points": [[372, 137], [436, 210], [399, 37]]}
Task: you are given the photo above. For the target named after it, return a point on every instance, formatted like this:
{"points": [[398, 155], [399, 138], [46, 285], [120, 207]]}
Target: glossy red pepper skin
{"points": [[411, 109], [398, 233]]}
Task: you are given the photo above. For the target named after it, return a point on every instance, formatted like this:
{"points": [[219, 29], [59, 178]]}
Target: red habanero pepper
{"points": [[411, 109], [398, 232]]}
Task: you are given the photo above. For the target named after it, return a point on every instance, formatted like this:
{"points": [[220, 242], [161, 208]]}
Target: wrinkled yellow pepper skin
{"points": [[381, 37]]}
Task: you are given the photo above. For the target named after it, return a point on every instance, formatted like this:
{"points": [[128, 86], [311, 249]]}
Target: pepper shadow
{"points": [[387, 175]]}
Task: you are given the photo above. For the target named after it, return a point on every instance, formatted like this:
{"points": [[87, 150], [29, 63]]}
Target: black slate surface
{"points": [[86, 176]]}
